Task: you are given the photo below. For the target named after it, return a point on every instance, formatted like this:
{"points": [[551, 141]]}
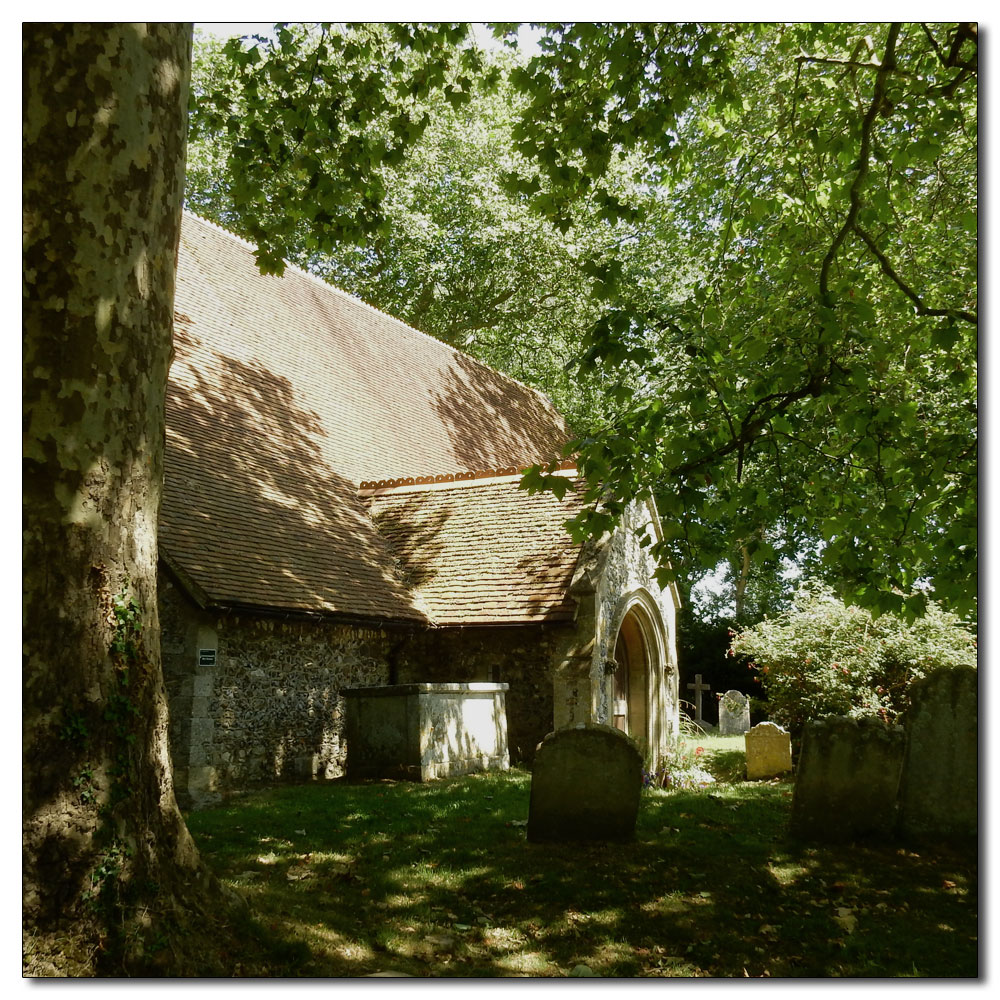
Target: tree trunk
{"points": [[742, 575], [110, 870]]}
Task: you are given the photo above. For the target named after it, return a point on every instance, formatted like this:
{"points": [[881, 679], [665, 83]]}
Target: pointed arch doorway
{"points": [[630, 680]]}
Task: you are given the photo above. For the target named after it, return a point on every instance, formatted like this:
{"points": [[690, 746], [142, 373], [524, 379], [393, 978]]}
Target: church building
{"points": [[341, 509]]}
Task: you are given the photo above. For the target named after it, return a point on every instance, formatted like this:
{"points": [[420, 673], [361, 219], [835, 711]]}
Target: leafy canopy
{"points": [[777, 228], [291, 105], [816, 377], [458, 254]]}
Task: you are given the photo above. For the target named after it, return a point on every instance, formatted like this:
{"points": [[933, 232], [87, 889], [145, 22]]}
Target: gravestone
{"points": [[734, 713], [847, 779], [769, 751], [938, 793], [699, 688], [585, 785]]}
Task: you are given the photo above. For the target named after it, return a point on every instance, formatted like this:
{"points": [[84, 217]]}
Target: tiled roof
{"points": [[283, 396], [482, 551]]}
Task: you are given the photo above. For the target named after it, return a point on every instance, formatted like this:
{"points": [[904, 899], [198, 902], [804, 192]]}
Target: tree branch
{"points": [[889, 272], [966, 31], [878, 98], [753, 423], [852, 63]]}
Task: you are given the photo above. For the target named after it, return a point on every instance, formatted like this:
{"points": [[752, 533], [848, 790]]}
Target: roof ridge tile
{"points": [[367, 487]]}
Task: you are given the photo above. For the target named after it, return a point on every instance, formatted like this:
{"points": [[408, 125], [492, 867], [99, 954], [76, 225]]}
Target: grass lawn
{"points": [[438, 880]]}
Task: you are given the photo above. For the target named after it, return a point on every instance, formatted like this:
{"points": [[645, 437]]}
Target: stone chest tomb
{"points": [[424, 731]]}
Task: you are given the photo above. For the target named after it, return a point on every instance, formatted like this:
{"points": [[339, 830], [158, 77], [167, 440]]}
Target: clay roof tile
{"points": [[284, 395]]}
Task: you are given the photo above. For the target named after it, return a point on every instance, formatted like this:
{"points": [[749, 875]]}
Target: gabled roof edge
{"points": [[184, 580]]}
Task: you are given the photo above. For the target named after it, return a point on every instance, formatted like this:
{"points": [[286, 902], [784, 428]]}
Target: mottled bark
{"points": [[108, 861]]}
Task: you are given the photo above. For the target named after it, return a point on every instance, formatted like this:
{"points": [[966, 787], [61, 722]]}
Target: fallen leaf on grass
{"points": [[846, 919], [440, 942]]}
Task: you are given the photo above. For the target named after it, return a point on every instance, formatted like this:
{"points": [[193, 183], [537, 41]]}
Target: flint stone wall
{"points": [[271, 707], [938, 795], [420, 732], [585, 786], [847, 779]]}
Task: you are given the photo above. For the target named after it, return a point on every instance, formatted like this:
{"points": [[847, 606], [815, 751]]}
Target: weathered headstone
{"points": [[585, 785], [938, 793], [734, 713], [768, 750], [847, 779]]}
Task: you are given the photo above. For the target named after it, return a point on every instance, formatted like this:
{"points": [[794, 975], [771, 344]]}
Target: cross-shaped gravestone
{"points": [[698, 688]]}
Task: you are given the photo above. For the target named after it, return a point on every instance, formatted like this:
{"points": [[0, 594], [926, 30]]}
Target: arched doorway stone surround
{"points": [[616, 583], [643, 648]]}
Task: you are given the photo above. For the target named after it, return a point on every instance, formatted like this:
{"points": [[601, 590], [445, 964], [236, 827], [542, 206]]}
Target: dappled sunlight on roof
{"points": [[283, 396]]}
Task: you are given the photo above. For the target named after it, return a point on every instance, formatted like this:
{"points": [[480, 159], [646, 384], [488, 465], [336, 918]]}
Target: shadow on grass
{"points": [[727, 765], [438, 880]]}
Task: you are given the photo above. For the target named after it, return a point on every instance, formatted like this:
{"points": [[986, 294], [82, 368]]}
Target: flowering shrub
{"points": [[678, 769], [823, 658]]}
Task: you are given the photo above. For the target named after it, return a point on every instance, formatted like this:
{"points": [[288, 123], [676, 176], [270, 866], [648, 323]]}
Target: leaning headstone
{"points": [[847, 779], [734, 713], [938, 794], [585, 785], [768, 750]]}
